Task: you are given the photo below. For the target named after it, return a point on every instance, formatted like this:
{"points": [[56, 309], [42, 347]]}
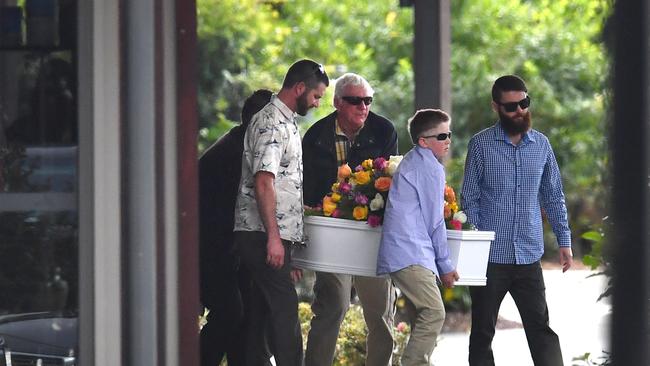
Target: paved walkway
{"points": [[581, 323]]}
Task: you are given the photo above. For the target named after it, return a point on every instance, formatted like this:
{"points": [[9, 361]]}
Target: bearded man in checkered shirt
{"points": [[511, 175]]}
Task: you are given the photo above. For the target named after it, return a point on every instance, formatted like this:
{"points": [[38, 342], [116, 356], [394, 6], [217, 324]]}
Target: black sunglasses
{"points": [[439, 137], [358, 100], [512, 106]]}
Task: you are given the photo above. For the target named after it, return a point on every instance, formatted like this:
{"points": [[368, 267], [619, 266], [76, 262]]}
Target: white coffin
{"points": [[339, 246], [470, 251], [351, 247]]}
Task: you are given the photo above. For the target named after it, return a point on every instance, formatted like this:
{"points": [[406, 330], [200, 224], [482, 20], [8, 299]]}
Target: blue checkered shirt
{"points": [[506, 187]]}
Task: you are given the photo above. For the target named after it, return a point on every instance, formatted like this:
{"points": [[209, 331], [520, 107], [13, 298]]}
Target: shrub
{"points": [[351, 344]]}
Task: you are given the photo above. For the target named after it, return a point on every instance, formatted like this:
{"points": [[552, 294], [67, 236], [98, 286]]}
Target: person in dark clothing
{"points": [[225, 285], [351, 134]]}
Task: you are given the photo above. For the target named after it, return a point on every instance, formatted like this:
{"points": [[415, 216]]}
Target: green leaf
{"points": [[594, 236]]}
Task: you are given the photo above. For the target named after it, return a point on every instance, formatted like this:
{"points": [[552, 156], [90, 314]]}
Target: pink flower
{"points": [[345, 187], [374, 220], [359, 168], [336, 213], [380, 163], [401, 327], [361, 199], [457, 225]]}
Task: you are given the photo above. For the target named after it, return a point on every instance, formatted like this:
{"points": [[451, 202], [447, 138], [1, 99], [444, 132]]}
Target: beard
{"points": [[515, 126], [302, 107]]}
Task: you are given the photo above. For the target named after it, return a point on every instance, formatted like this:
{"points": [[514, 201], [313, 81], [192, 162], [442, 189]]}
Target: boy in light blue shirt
{"points": [[413, 249]]}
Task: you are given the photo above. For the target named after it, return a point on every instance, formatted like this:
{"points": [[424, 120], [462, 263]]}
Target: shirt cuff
{"points": [[445, 266], [564, 241]]}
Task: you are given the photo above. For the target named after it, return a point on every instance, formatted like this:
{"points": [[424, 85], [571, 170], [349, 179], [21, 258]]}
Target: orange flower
{"points": [[382, 184], [360, 212], [344, 172], [362, 177], [447, 212], [328, 206], [450, 195]]}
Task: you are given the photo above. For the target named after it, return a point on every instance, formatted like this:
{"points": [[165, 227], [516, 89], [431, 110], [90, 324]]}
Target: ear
{"points": [[337, 102], [422, 143], [495, 107], [299, 88]]}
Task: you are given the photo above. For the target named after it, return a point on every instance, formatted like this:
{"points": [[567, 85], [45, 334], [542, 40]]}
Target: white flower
{"points": [[393, 162], [461, 217], [377, 203]]}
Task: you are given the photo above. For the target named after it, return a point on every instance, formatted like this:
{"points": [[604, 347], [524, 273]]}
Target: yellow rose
{"points": [[328, 206], [335, 187], [362, 177], [367, 164], [344, 172], [336, 197], [360, 212]]}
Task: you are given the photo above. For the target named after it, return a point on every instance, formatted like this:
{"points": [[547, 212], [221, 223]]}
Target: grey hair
{"points": [[351, 79]]}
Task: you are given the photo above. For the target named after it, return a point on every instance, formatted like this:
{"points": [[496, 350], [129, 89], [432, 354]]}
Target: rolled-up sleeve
{"points": [[470, 192]]}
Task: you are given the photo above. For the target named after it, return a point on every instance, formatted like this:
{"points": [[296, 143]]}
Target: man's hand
{"points": [[448, 279], [296, 275], [566, 258], [275, 253]]}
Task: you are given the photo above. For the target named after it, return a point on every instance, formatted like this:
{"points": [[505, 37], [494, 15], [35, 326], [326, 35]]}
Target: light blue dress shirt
{"points": [[506, 187], [414, 230]]}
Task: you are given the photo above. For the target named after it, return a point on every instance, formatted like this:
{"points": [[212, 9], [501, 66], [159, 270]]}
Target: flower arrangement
{"points": [[455, 219], [360, 194]]}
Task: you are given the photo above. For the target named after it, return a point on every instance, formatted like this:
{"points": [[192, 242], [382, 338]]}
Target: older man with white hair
{"points": [[350, 134]]}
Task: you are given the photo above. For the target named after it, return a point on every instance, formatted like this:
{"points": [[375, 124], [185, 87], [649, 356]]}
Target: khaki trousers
{"points": [[332, 301], [425, 310]]}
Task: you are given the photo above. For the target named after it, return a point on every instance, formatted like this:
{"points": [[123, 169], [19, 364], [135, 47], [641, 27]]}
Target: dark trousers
{"points": [[274, 290], [526, 286], [230, 306], [224, 287]]}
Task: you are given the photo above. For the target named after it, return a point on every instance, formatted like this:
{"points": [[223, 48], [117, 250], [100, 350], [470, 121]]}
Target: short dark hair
{"points": [[507, 83], [253, 104], [424, 120], [307, 71]]}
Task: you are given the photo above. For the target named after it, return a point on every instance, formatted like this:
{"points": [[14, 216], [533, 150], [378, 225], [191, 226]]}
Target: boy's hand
{"points": [[296, 275], [448, 279]]}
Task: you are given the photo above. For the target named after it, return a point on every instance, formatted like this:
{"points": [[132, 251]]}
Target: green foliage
{"points": [[555, 45], [599, 258], [351, 344]]}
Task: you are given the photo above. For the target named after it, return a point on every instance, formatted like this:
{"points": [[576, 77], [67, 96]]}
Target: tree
{"points": [[554, 45]]}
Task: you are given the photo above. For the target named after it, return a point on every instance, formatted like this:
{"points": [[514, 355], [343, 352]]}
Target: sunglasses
{"points": [[439, 137], [512, 106], [358, 100]]}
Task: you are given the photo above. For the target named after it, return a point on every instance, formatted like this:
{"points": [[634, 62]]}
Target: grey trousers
{"points": [[332, 301], [425, 310]]}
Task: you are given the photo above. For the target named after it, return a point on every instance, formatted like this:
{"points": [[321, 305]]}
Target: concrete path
{"points": [[581, 323]]}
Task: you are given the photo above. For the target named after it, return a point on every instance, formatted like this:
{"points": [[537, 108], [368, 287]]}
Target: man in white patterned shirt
{"points": [[269, 211], [511, 175]]}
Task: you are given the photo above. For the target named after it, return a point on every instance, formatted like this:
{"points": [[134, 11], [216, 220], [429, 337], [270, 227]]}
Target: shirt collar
{"points": [[500, 134], [337, 130], [426, 154], [286, 111]]}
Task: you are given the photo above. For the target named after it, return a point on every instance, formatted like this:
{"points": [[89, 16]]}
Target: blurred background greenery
{"points": [[555, 45]]}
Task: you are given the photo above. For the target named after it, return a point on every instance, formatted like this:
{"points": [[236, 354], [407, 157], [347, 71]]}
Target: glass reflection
{"points": [[38, 201]]}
